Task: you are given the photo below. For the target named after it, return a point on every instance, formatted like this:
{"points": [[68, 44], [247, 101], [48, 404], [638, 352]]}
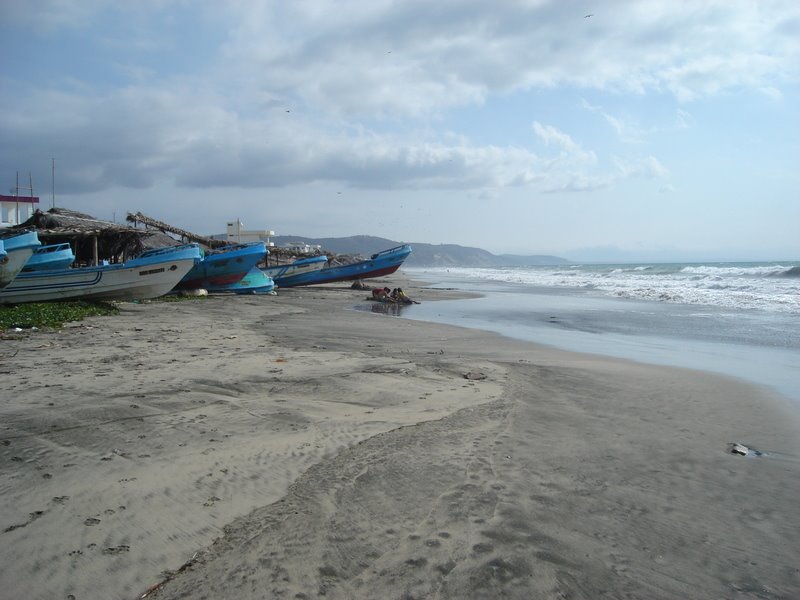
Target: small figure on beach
{"points": [[398, 295], [359, 285], [382, 295]]}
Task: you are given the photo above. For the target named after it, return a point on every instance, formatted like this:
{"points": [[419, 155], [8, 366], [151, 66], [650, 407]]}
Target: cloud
{"points": [[366, 84], [626, 128], [572, 170], [415, 58], [571, 151], [135, 136], [575, 169], [648, 167], [551, 135], [683, 119], [48, 16]]}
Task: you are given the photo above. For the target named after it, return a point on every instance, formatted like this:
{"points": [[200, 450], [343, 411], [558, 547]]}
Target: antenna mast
{"points": [[16, 191]]}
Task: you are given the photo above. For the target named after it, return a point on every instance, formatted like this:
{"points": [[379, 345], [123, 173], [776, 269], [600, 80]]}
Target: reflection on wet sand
{"points": [[384, 308], [388, 308]]}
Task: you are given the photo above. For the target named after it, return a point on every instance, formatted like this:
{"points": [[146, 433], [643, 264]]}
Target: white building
{"points": [[17, 209], [236, 233]]}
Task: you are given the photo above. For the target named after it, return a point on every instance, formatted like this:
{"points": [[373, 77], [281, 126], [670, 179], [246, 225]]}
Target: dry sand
{"points": [[287, 447]]}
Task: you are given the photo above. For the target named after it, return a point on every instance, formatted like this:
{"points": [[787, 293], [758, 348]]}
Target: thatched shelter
{"points": [[186, 236], [93, 240]]}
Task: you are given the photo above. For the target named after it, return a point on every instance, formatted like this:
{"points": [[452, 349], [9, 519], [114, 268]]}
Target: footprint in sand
{"points": [[445, 568], [116, 549], [31, 518], [91, 521], [417, 562], [482, 548], [60, 499]]}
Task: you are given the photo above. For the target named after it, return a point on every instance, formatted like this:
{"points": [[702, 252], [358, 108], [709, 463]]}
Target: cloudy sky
{"points": [[655, 129]]}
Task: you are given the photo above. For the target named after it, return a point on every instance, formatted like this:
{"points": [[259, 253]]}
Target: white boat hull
{"points": [[15, 251], [304, 265], [12, 263], [115, 282]]}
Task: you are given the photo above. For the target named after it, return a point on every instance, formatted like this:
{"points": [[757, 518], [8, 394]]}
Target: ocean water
{"points": [[738, 319]]}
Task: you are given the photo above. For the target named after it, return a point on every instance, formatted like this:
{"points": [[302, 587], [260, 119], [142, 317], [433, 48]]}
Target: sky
{"points": [[613, 130]]}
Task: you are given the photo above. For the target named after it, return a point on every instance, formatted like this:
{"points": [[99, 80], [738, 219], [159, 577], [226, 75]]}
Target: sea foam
{"points": [[761, 286]]}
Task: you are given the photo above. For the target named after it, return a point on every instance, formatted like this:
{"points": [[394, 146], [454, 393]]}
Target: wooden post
{"points": [[96, 257]]}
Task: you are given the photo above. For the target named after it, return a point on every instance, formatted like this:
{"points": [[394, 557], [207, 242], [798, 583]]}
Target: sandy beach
{"points": [[290, 447]]}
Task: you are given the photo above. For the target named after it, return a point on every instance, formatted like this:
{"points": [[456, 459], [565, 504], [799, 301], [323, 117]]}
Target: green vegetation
{"points": [[177, 298], [51, 314]]}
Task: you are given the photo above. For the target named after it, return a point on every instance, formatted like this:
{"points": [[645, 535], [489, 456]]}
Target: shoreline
{"points": [[579, 324], [350, 456]]}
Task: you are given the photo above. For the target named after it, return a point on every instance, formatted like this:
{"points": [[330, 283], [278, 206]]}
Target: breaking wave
{"points": [[738, 271], [762, 286]]}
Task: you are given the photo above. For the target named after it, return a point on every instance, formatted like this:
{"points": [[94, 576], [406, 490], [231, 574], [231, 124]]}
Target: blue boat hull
{"points": [[382, 263], [303, 265], [15, 251], [224, 267], [46, 258], [255, 282]]}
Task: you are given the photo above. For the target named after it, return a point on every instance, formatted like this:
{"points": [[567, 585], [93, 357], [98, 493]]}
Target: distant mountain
{"points": [[423, 255]]}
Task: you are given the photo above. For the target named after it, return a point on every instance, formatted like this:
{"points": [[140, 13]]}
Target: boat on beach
{"points": [[51, 257], [15, 251], [150, 275], [255, 282], [379, 264], [223, 266], [302, 265]]}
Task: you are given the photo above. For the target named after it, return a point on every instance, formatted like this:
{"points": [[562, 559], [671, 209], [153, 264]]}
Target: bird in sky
{"points": [[587, 16]]}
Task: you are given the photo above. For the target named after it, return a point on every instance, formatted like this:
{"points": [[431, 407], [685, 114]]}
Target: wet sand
{"points": [[287, 447]]}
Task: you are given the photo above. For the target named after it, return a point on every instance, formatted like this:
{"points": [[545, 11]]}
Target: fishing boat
{"points": [[15, 251], [51, 257], [223, 266], [150, 275], [303, 265], [382, 263], [255, 282], [5, 278]]}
